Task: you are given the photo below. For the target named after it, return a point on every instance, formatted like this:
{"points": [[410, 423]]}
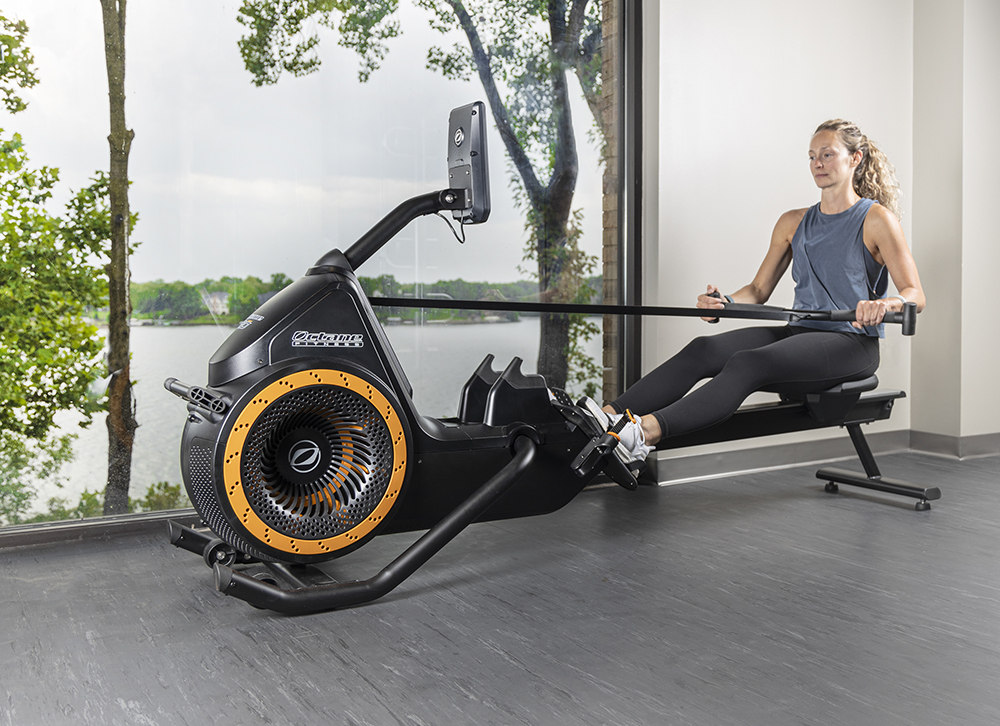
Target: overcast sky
{"points": [[231, 179]]}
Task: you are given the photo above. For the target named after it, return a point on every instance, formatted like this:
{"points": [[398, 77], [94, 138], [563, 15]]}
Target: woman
{"points": [[839, 250]]}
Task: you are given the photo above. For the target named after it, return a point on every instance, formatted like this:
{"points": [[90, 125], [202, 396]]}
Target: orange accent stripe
{"points": [[237, 439]]}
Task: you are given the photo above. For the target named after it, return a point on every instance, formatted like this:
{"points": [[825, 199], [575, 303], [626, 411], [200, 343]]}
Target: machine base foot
{"points": [[834, 477]]}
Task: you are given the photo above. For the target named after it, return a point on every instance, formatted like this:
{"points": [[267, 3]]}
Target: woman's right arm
{"points": [[776, 261]]}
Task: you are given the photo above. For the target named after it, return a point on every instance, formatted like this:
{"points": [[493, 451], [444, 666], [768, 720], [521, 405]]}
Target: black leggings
{"points": [[740, 362]]}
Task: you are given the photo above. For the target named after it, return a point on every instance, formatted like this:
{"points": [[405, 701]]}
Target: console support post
{"points": [[374, 239]]}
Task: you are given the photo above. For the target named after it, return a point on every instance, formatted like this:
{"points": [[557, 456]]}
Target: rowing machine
{"points": [[305, 443]]}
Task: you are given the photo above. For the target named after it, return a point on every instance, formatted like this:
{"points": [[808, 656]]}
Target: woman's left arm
{"points": [[884, 238]]}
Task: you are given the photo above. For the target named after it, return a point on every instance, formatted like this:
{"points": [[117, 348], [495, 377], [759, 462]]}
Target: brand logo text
{"points": [[305, 339]]}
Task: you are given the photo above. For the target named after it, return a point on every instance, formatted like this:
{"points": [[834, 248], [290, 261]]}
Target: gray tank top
{"points": [[833, 269]]}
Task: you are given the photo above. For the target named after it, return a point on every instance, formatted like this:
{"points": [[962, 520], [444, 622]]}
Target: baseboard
{"points": [[961, 447], [21, 535], [678, 469]]}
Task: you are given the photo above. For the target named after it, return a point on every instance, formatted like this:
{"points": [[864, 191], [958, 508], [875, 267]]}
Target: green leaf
{"points": [[17, 69]]}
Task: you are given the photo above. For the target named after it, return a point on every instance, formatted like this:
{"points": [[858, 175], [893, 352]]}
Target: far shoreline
{"points": [[233, 323]]}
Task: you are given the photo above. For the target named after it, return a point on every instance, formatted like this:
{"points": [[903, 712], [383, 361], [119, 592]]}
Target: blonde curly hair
{"points": [[875, 177]]}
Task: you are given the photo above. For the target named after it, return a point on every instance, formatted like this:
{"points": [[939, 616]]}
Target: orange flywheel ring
{"points": [[314, 463]]}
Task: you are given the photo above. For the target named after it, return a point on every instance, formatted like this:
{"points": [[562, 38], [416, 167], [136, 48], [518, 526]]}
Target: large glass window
{"points": [[263, 140]]}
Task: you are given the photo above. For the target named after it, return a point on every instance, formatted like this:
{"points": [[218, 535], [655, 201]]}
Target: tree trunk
{"points": [[550, 204], [121, 418], [553, 362], [552, 211], [550, 231]]}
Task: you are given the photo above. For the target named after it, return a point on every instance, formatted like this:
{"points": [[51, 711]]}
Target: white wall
{"points": [[980, 232], [741, 86], [956, 105], [938, 141]]}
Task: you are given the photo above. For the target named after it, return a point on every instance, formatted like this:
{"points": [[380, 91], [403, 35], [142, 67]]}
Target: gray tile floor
{"points": [[756, 599]]}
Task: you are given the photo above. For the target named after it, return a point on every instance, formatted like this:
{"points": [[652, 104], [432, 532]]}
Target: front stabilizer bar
{"points": [[319, 598]]}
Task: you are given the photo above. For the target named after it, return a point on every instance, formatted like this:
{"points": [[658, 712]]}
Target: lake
{"points": [[438, 359]]}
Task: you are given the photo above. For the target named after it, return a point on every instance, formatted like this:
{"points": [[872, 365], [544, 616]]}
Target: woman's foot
{"points": [[627, 428], [631, 436]]}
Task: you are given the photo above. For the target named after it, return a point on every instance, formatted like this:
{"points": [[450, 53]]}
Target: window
{"points": [[240, 188]]}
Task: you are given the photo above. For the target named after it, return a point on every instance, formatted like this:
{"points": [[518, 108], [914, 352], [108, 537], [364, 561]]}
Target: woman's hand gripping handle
{"points": [[712, 300]]}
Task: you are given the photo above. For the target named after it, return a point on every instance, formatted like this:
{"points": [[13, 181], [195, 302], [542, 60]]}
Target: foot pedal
{"points": [[574, 415], [599, 454], [559, 396]]}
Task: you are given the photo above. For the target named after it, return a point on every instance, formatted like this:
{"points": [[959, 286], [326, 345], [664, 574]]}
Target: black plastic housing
{"points": [[449, 460], [468, 165]]}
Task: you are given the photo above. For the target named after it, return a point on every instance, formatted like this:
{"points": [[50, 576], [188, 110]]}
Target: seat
{"points": [[828, 405]]}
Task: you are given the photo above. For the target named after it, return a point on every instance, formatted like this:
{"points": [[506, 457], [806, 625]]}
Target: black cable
{"points": [[746, 312], [461, 240]]}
